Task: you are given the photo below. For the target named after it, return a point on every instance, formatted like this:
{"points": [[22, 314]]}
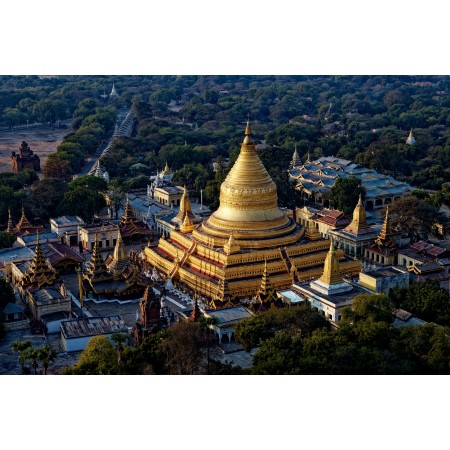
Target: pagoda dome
{"points": [[248, 199]]}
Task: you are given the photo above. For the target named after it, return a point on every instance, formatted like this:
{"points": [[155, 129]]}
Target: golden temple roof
{"points": [[24, 223], [96, 268], [185, 208], [248, 200], [120, 259], [331, 271], [359, 224], [40, 273], [385, 238]]}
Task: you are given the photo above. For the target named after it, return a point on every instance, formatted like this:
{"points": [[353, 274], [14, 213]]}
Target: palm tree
{"points": [[119, 339], [20, 347], [46, 356], [32, 354], [205, 324]]}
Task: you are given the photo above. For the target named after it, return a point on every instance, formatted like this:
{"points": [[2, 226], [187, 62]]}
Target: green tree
{"points": [[426, 300], [415, 217], [6, 239], [20, 347], [79, 201], [44, 197], [374, 307], [6, 293], [205, 325], [13, 117], [98, 358], [116, 196], [182, 349], [57, 166], [31, 354], [46, 355], [301, 320], [119, 339], [344, 194]]}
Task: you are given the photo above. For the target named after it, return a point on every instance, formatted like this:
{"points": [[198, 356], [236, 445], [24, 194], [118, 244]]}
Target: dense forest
{"points": [[192, 121]]}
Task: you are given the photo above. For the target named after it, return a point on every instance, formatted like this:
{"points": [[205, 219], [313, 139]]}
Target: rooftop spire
{"points": [[296, 160], [24, 223], [10, 227], [185, 207], [359, 223], [385, 237], [96, 267], [40, 272], [331, 272], [265, 282], [120, 259], [248, 132]]}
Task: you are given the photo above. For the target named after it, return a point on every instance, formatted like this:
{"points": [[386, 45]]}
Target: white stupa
{"points": [[411, 139], [113, 92]]}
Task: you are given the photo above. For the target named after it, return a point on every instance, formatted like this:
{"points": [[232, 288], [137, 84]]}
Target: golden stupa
{"points": [[233, 244]]}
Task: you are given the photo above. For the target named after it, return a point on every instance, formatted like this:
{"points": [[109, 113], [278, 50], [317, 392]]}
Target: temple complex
{"points": [[226, 254], [118, 277], [330, 293], [357, 235], [25, 159], [133, 229], [384, 250], [41, 287], [314, 180], [23, 227]]}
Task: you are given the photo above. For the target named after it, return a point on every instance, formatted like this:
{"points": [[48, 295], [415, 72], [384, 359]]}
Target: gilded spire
{"points": [[40, 272], [185, 208], [231, 246], [187, 226], [248, 132], [10, 227], [120, 259], [331, 272], [96, 267], [265, 282], [24, 223], [385, 237], [127, 214], [359, 224], [296, 160]]}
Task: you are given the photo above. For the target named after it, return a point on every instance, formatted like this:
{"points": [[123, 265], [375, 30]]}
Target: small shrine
{"points": [[25, 159]]}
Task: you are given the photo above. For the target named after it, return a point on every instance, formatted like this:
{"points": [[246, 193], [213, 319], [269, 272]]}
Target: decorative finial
{"points": [[248, 130]]}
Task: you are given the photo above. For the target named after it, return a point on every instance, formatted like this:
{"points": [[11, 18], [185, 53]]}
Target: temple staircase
{"points": [[186, 255], [285, 258]]}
